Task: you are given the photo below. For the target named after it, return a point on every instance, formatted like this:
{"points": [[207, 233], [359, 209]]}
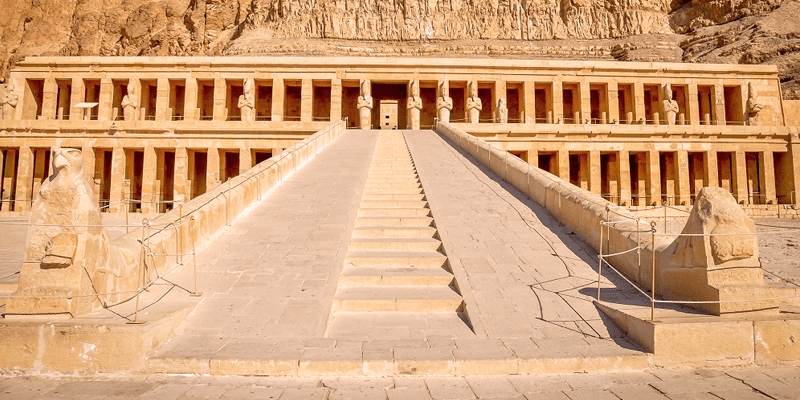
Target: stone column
{"points": [[24, 192], [719, 99], [181, 190], [88, 161], [558, 102], [117, 180], [278, 93], [654, 174], [336, 100], [586, 102], [149, 182], [245, 160], [613, 103], [220, 99], [625, 197], [528, 104], [190, 103], [712, 169], [10, 162], [638, 102], [595, 178], [78, 96], [767, 172], [741, 178], [684, 188], [306, 100], [533, 157], [212, 169], [563, 164], [4, 194], [50, 100], [162, 100], [105, 109], [694, 107]]}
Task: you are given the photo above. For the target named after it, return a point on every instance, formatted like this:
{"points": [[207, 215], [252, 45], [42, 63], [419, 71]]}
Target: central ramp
{"points": [[396, 283]]}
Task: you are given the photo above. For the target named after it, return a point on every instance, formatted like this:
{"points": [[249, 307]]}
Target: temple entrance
{"points": [[387, 92]]}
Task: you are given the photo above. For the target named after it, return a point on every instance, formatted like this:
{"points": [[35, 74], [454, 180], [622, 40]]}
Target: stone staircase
{"points": [[396, 268]]}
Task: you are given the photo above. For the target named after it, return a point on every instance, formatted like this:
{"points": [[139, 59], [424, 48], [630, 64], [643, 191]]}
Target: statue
{"points": [[8, 102], [474, 105], [69, 254], [502, 111], [247, 100], [414, 105], [444, 104], [130, 103], [364, 105], [754, 107], [671, 107]]}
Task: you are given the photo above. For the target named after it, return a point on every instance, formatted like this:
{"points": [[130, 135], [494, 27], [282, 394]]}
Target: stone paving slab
{"points": [[727, 384]]}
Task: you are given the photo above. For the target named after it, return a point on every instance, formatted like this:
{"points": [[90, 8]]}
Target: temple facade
{"points": [[160, 131]]}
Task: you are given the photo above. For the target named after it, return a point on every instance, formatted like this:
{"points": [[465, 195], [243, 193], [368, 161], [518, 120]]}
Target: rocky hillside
{"points": [[735, 31]]}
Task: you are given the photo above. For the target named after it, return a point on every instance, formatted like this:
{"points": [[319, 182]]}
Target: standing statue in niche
{"points": [[474, 105], [444, 104], [365, 105], [754, 106], [8, 102], [671, 107], [130, 103], [247, 100], [502, 111], [414, 105]]}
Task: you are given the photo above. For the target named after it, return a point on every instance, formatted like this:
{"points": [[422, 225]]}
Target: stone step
{"points": [[394, 232], [395, 244], [404, 259], [393, 181], [393, 204], [397, 176], [405, 191], [389, 196], [394, 221], [392, 187], [399, 298], [394, 276], [394, 212]]}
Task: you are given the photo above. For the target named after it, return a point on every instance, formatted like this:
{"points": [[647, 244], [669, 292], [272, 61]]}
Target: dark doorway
{"points": [[389, 91]]}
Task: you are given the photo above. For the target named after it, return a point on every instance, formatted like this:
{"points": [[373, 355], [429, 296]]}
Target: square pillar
{"points": [[586, 105], [306, 100], [88, 161], [220, 97], [529, 87], [595, 179], [741, 178], [117, 180], [719, 101], [245, 160], [533, 157], [654, 175], [794, 152], [181, 188], [278, 93], [162, 100], [563, 165], [712, 169], [684, 189], [24, 192], [78, 95], [105, 109], [638, 106], [50, 100], [694, 108], [767, 172], [9, 174], [613, 104], [149, 184], [190, 103], [336, 100], [558, 103], [625, 196], [212, 169]]}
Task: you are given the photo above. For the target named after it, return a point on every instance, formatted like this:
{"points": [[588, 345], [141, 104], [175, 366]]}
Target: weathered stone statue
{"points": [[502, 111], [8, 102], [754, 106], [130, 103], [474, 105], [247, 101], [671, 107], [69, 255], [444, 103], [414, 105], [365, 105]]}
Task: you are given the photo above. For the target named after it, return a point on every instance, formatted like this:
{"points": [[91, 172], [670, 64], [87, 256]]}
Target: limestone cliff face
{"points": [[217, 27]]}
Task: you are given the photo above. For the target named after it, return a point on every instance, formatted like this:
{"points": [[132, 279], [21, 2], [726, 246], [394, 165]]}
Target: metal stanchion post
{"points": [[600, 263], [127, 208], [194, 258], [664, 204], [653, 273], [142, 261]]}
